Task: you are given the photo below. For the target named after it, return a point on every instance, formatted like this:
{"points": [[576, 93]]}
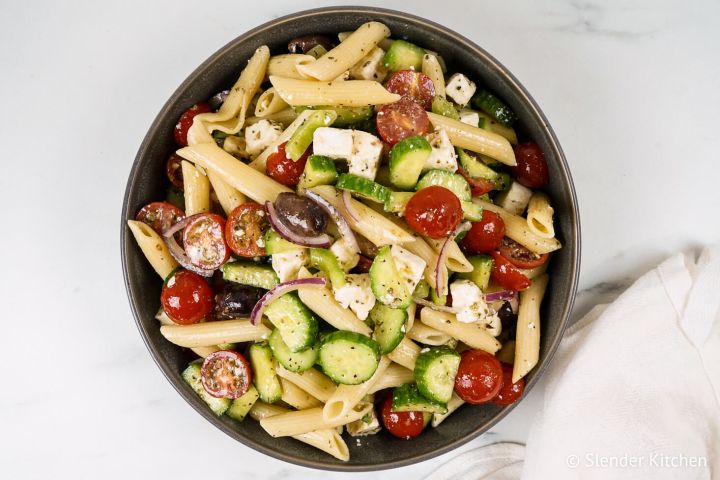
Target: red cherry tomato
{"points": [[509, 392], [520, 256], [531, 169], [485, 235], [434, 212], [400, 120], [186, 298], [479, 377], [226, 374], [284, 170], [244, 230], [186, 120], [414, 85], [507, 275], [160, 215], [478, 186], [405, 425], [173, 169], [204, 241]]}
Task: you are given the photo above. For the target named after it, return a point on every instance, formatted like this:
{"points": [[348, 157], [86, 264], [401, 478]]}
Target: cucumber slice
{"points": [[436, 299], [240, 407], [348, 357], [319, 170], [493, 106], [191, 375], [472, 211], [264, 377], [397, 201], [422, 289], [435, 371], [407, 398], [317, 51], [255, 275], [389, 326], [346, 116], [274, 243], [326, 261], [452, 181], [480, 275], [442, 106], [407, 158], [362, 187], [296, 323], [385, 281], [293, 361], [427, 417], [303, 136], [402, 55], [477, 169]]}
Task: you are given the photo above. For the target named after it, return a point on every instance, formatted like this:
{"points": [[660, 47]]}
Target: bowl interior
{"points": [[147, 183]]}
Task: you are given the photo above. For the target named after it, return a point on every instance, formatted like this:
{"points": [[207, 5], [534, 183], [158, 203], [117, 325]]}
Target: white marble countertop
{"points": [[630, 88]]}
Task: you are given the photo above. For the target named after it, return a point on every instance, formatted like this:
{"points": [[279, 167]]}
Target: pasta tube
{"points": [[516, 227], [153, 247], [540, 216], [472, 334], [475, 139], [213, 333], [527, 338], [304, 421], [351, 93], [345, 397]]}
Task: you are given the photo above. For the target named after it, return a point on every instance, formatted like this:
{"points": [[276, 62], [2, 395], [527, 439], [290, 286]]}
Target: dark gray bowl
{"points": [[147, 183]]}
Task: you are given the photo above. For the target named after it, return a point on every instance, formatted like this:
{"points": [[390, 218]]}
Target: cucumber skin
{"points": [[402, 55], [444, 107], [388, 326], [246, 273], [289, 305], [303, 136], [274, 243], [318, 170], [326, 261], [363, 187], [264, 377], [422, 289], [240, 407], [480, 274], [397, 201], [385, 280], [452, 181], [191, 375], [493, 106], [472, 211], [427, 360], [357, 339], [477, 169], [346, 116], [296, 362], [408, 398], [407, 159]]}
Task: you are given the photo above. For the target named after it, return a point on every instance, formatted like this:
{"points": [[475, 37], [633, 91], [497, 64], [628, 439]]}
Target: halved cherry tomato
{"points": [[509, 392], [400, 120], [531, 169], [520, 256], [186, 298], [160, 215], [507, 275], [226, 374], [434, 212], [414, 85], [186, 120], [405, 425], [204, 241], [244, 230], [486, 235], [173, 169], [479, 377], [478, 186], [285, 170]]}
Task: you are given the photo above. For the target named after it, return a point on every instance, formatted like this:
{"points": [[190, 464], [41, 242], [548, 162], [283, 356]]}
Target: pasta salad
{"points": [[353, 240]]}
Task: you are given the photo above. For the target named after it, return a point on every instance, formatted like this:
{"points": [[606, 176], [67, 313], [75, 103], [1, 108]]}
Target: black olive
{"points": [[506, 316], [235, 300], [218, 99], [307, 42], [300, 214]]}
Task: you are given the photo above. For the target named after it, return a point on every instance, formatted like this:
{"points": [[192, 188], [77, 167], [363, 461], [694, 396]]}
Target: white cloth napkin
{"points": [[633, 391]]}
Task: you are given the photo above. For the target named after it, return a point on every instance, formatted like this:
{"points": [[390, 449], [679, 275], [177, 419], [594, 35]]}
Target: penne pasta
{"points": [[213, 333], [457, 261], [284, 117], [475, 139], [502, 130], [431, 67], [260, 161], [350, 93], [384, 43], [454, 403], [472, 334], [269, 103], [286, 65], [303, 421], [203, 352], [394, 376], [405, 353], [349, 52], [310, 381], [296, 397], [197, 189], [153, 247], [540, 216], [428, 336], [346, 397], [228, 196], [527, 338]]}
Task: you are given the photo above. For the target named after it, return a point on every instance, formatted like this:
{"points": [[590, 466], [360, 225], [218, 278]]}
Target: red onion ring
{"points": [[177, 251], [282, 289], [501, 295], [347, 203], [345, 232], [323, 240], [434, 306], [441, 273]]}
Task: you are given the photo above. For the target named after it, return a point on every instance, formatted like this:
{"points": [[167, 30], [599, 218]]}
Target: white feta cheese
{"points": [[356, 294], [460, 88], [442, 155], [371, 67], [368, 425], [469, 301], [409, 266], [365, 158], [470, 117], [346, 257], [333, 142], [261, 135], [287, 264], [515, 200]]}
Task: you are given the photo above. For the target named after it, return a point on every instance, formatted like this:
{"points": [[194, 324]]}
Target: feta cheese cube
{"points": [[288, 264], [365, 158], [515, 200], [470, 117], [442, 155], [469, 301], [356, 294], [409, 266], [460, 88], [371, 67], [368, 425], [333, 142], [346, 257], [261, 135]]}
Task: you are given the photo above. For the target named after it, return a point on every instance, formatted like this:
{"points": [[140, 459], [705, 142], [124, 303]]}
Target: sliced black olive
{"points": [[506, 315], [301, 215], [235, 300], [306, 42], [218, 99]]}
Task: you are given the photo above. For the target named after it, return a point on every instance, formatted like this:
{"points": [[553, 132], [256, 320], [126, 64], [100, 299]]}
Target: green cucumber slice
{"points": [[346, 116], [253, 274], [349, 358], [477, 169], [472, 211], [326, 261], [435, 371], [402, 55], [362, 187], [240, 407], [296, 323], [274, 243], [452, 181], [407, 159], [294, 361], [407, 398], [493, 106], [318, 170], [265, 377], [385, 282], [480, 275], [303, 136], [191, 375], [389, 326], [442, 106], [397, 201]]}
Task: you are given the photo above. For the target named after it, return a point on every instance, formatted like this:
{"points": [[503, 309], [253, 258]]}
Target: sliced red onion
{"points": [[501, 295], [177, 251], [322, 240], [441, 273], [347, 203], [343, 227], [282, 289], [434, 306]]}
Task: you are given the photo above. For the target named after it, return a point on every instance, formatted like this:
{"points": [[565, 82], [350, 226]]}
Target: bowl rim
{"points": [[573, 233]]}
